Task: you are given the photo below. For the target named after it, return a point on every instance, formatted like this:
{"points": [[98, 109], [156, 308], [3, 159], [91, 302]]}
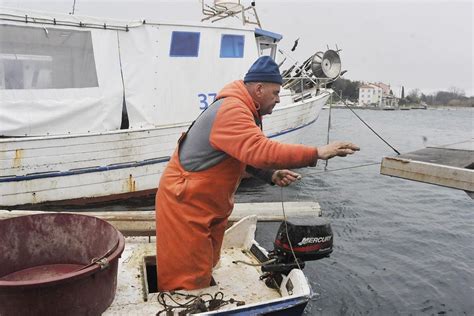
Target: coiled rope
{"points": [[194, 303]]}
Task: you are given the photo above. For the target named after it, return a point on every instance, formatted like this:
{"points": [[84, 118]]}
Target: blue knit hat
{"points": [[264, 69]]}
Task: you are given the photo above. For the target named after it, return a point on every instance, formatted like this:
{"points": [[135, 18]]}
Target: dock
{"points": [[142, 223], [449, 166]]}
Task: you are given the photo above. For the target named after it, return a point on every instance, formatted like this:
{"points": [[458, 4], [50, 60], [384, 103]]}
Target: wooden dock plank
{"points": [[142, 223], [449, 166], [442, 156]]}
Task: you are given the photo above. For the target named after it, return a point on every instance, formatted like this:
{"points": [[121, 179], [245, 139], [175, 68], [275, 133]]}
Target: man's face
{"points": [[268, 95]]}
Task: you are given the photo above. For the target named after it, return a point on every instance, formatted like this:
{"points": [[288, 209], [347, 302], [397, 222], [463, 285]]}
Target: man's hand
{"points": [[333, 149], [285, 177]]}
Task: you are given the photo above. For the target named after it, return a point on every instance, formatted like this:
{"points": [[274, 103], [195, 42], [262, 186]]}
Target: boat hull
{"points": [[290, 307], [84, 169]]}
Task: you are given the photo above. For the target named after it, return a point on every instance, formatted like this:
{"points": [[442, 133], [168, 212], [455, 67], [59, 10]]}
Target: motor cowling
{"points": [[310, 239], [306, 239]]}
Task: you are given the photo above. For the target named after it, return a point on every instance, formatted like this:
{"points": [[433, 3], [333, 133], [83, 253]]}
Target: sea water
{"points": [[400, 247]]}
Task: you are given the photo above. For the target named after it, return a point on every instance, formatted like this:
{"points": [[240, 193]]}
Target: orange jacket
{"points": [[234, 131]]}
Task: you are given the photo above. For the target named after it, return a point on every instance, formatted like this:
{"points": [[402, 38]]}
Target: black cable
{"points": [[73, 8], [398, 153]]}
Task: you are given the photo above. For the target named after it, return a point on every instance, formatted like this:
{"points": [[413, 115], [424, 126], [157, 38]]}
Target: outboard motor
{"points": [[297, 241]]}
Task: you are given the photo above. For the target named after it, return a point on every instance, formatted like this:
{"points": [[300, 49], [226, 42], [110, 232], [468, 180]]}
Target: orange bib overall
{"points": [[192, 209]]}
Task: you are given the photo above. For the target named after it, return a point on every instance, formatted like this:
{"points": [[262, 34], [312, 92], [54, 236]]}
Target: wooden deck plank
{"points": [[450, 166], [142, 223], [442, 156]]}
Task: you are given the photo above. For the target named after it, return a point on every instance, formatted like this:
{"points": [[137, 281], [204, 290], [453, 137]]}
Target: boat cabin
{"points": [[64, 75]]}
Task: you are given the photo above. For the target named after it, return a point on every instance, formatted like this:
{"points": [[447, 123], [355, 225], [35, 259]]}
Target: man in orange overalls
{"points": [[196, 192]]}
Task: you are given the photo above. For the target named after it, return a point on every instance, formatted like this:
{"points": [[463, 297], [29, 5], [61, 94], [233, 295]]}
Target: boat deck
{"points": [[238, 281], [451, 166]]}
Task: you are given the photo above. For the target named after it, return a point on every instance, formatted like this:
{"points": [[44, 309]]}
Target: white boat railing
{"points": [[223, 9]]}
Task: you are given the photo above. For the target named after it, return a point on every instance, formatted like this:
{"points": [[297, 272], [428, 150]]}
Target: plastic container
{"points": [[58, 264]]}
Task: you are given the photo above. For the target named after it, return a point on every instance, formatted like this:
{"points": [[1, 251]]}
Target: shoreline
{"points": [[429, 107]]}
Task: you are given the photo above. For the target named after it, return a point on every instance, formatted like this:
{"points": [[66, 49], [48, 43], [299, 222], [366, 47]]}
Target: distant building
{"points": [[377, 95], [385, 88], [390, 100], [370, 95]]}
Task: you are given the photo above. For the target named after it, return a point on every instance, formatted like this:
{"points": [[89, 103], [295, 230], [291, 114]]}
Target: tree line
{"points": [[451, 97], [348, 88]]}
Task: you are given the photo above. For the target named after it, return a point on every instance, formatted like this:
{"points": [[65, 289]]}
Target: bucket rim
{"points": [[74, 275]]}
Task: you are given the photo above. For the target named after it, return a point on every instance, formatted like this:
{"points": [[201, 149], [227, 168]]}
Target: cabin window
{"points": [[184, 44], [232, 46], [46, 58]]}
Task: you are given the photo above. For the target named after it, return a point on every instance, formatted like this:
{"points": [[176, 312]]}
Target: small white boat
{"points": [[241, 288], [91, 109], [248, 280]]}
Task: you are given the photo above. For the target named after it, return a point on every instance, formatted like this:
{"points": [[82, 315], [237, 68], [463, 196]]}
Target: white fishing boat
{"points": [[91, 109]]}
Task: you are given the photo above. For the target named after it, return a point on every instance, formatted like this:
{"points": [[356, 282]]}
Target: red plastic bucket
{"points": [[58, 264]]}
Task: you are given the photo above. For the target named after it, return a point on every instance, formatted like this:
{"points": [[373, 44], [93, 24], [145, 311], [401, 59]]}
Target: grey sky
{"points": [[419, 44]]}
